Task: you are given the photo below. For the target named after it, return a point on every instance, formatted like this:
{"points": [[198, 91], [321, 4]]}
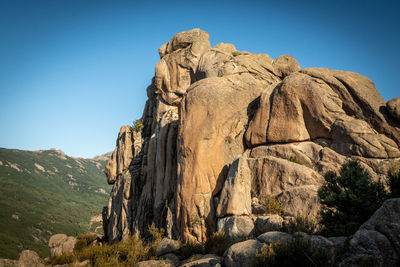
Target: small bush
{"points": [[84, 240], [295, 160], [297, 252], [138, 125], [157, 235], [349, 199], [191, 248], [196, 219], [124, 253], [394, 182], [272, 206], [63, 259], [235, 53], [217, 244]]}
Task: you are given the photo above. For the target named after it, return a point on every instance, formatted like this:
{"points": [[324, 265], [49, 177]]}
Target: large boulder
{"points": [[236, 227], [268, 223], [242, 254], [393, 106], [179, 59], [27, 258], [206, 261], [377, 242], [167, 245], [61, 244], [315, 104], [274, 237]]}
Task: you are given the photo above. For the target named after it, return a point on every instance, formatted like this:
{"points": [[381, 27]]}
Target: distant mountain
{"points": [[46, 192]]}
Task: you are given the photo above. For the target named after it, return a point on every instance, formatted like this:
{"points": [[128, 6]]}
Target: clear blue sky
{"points": [[72, 72]]}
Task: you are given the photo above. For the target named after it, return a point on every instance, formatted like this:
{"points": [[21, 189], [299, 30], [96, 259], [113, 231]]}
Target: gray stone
{"points": [[268, 223], [167, 246], [236, 227], [242, 254], [171, 258], [206, 261], [274, 237]]}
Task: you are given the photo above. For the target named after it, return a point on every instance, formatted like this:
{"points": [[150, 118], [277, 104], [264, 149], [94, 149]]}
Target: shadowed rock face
{"points": [[224, 128]]}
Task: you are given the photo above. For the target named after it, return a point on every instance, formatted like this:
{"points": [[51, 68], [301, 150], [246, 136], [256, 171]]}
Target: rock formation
{"points": [[223, 130], [61, 244]]}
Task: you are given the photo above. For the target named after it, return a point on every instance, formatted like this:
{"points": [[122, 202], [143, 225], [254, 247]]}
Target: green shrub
{"points": [[295, 160], [297, 252], [349, 199], [196, 219], [272, 206], [138, 125], [235, 53], [394, 182]]}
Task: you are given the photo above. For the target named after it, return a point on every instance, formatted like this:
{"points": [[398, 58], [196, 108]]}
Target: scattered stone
{"points": [[167, 246]]}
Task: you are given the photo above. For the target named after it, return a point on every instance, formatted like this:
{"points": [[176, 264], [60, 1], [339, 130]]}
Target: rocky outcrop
{"points": [[61, 244], [27, 258], [223, 130]]}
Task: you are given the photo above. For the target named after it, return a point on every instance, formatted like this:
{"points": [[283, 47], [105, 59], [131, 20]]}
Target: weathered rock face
{"points": [[224, 130], [175, 72]]}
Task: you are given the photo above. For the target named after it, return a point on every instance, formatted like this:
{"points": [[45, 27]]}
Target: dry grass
{"points": [[272, 206]]}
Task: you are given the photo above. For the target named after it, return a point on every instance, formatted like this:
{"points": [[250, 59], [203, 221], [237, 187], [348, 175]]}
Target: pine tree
{"points": [[349, 199]]}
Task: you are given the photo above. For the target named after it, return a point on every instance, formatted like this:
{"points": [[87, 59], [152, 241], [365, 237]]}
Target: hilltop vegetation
{"points": [[46, 192]]}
